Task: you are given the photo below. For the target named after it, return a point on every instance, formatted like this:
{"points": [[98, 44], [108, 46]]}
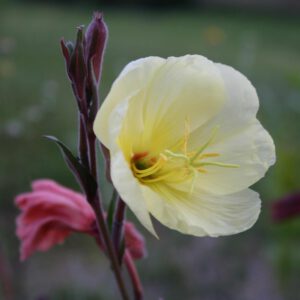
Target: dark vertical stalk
{"points": [[118, 225], [106, 156], [101, 224], [109, 248], [134, 276], [82, 142], [97, 201]]}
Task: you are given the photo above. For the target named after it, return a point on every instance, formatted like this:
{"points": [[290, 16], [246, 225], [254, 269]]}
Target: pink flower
{"points": [[51, 212], [286, 208]]}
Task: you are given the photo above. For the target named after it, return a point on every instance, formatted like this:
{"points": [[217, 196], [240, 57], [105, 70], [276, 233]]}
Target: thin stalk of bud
{"points": [[134, 276], [118, 226], [82, 142], [106, 156]]}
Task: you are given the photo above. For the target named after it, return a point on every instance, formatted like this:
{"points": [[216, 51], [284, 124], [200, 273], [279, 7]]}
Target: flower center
{"points": [[175, 167]]}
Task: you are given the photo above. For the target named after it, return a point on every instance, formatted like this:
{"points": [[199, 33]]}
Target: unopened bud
{"points": [[96, 37], [67, 52], [75, 63], [77, 68], [286, 208], [84, 62]]}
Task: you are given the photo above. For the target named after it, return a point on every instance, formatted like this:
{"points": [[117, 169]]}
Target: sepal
{"points": [[84, 178]]}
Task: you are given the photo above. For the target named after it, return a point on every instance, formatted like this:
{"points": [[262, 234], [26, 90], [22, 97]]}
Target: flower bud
{"points": [[84, 60], [67, 52], [77, 68], [96, 37], [75, 64], [286, 208]]}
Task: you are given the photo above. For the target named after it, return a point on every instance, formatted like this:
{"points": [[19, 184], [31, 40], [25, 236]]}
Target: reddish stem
{"points": [[118, 225], [97, 201], [106, 155], [131, 269], [82, 142], [101, 224], [134, 276]]}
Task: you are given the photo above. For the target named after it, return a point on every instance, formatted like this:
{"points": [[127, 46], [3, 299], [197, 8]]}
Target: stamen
{"points": [[214, 132], [176, 155], [195, 175], [215, 163], [183, 142], [186, 134], [164, 176], [201, 170], [176, 166], [140, 173], [208, 155]]}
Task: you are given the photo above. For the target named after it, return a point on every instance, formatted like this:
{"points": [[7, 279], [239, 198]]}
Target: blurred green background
{"points": [[36, 99]]}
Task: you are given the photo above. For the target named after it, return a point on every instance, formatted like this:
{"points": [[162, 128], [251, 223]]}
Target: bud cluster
{"points": [[84, 62]]}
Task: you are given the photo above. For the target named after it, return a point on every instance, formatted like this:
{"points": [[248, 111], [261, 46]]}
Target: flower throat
{"points": [[175, 167]]}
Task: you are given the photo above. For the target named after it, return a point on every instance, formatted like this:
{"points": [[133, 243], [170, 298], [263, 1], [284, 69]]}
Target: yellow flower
{"points": [[185, 144]]}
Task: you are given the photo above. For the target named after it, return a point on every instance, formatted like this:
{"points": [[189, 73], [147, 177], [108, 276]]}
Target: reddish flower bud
{"points": [[51, 212], [286, 207], [84, 61], [77, 68], [75, 65], [67, 52], [96, 37]]}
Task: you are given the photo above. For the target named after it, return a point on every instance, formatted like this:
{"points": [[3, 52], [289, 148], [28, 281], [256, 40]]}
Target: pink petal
{"points": [[49, 214], [134, 241]]}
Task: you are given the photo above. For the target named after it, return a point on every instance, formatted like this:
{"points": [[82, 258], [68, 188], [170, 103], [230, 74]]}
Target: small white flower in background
{"points": [[185, 144]]}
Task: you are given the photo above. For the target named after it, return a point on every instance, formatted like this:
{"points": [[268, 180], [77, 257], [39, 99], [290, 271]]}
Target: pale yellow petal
{"points": [[240, 139], [129, 189], [122, 177], [162, 99], [239, 109], [186, 89], [252, 149], [132, 80], [204, 214]]}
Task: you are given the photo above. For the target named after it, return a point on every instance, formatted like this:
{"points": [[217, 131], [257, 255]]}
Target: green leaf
{"points": [[82, 175]]}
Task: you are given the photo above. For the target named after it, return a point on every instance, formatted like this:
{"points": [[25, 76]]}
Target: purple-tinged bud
{"points": [[77, 68], [286, 208], [96, 37], [67, 52], [75, 64]]}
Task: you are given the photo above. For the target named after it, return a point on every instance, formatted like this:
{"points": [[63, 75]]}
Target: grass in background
{"points": [[36, 99]]}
